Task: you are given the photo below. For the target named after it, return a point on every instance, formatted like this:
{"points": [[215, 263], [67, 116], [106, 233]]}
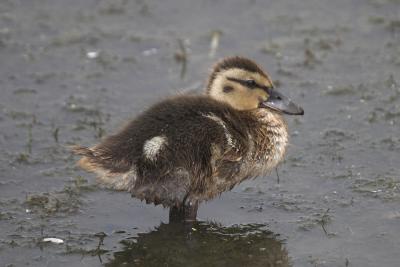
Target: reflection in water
{"points": [[203, 244]]}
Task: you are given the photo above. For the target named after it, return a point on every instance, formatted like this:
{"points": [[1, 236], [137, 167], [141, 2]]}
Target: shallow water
{"points": [[72, 71]]}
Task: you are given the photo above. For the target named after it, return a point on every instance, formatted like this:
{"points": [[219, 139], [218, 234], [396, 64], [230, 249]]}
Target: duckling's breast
{"points": [[265, 146], [268, 140]]}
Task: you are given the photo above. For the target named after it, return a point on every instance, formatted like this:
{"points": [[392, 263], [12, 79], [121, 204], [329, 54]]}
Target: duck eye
{"points": [[227, 89], [251, 83]]}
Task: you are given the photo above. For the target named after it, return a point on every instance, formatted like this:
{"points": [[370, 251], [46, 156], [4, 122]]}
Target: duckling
{"points": [[191, 148]]}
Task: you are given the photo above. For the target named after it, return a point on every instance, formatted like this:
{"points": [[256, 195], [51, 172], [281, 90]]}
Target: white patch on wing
{"points": [[228, 136], [152, 147]]}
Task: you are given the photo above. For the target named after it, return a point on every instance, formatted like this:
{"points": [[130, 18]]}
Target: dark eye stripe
{"points": [[250, 84]]}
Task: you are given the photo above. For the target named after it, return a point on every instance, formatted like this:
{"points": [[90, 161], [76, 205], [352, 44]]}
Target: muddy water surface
{"points": [[72, 71]]}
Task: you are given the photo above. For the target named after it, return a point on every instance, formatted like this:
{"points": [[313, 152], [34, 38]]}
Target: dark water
{"points": [[72, 71]]}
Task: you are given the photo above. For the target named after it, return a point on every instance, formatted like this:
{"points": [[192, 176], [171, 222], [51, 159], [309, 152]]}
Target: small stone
{"points": [[150, 52], [53, 240], [92, 54]]}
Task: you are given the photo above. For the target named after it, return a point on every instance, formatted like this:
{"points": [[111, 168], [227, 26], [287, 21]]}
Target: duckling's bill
{"points": [[279, 102]]}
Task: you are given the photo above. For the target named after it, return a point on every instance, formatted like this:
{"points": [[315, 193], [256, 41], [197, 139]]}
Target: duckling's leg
{"points": [[186, 212]]}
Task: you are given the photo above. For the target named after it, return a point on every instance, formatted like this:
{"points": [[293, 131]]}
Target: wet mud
{"points": [[73, 71]]}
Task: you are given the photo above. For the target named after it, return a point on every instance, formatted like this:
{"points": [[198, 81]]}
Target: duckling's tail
{"points": [[92, 161], [87, 162], [80, 150]]}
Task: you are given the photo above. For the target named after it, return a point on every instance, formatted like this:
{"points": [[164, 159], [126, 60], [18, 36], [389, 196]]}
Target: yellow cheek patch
{"points": [[244, 103], [244, 99]]}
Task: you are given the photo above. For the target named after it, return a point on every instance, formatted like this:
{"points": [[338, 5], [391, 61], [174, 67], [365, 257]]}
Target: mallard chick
{"points": [[188, 149]]}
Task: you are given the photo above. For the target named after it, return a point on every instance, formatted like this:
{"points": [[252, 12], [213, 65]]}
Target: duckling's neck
{"points": [[269, 117], [269, 138]]}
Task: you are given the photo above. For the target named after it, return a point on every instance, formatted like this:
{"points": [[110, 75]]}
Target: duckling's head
{"points": [[244, 85]]}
